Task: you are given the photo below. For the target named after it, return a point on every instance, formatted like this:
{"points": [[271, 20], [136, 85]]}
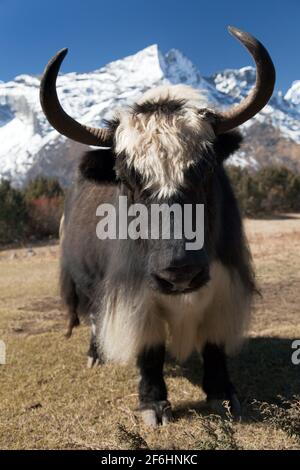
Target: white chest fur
{"points": [[184, 314]]}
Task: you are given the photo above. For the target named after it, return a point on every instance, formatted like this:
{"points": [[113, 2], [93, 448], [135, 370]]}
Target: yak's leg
{"points": [[70, 299], [216, 381], [93, 356], [154, 405]]}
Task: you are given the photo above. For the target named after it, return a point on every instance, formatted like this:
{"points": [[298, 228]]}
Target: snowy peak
{"points": [[293, 94], [236, 83], [179, 69], [143, 68]]}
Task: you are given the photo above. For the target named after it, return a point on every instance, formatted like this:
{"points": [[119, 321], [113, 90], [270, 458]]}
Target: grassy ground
{"points": [[48, 399]]}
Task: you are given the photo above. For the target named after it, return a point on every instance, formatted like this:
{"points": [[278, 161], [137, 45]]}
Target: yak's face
{"points": [[162, 146], [166, 153]]}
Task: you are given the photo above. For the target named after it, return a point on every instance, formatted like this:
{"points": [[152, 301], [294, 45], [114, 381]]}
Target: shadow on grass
{"points": [[275, 217], [263, 371], [27, 244]]}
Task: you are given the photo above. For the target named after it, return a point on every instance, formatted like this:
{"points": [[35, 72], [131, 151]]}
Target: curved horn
{"points": [[262, 91], [58, 118]]}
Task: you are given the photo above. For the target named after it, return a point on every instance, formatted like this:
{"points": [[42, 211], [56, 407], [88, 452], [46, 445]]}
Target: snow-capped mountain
{"points": [[30, 146]]}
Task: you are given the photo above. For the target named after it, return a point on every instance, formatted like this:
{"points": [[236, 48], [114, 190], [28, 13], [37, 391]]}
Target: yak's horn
{"points": [[262, 91], [58, 118]]}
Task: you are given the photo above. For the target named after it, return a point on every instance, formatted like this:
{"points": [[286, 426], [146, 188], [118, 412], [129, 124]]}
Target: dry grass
{"points": [[49, 400]]}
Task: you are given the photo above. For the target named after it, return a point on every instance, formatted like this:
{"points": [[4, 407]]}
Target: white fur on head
{"points": [[160, 146]]}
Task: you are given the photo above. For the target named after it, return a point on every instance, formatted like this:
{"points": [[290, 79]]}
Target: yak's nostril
{"points": [[181, 280], [164, 283], [202, 277]]}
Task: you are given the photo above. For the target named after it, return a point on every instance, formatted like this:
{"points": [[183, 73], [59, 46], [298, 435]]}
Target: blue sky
{"points": [[97, 32]]}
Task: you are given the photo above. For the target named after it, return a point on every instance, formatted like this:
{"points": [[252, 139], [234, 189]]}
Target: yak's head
{"points": [[166, 149]]}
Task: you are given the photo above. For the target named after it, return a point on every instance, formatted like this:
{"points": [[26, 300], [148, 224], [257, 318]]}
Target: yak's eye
{"points": [[130, 178], [124, 181]]}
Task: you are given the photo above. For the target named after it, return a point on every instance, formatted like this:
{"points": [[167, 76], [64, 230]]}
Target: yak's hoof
{"points": [[226, 407], [156, 412], [92, 362]]}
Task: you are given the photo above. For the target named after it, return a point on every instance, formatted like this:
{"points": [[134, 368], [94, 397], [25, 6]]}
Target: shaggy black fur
{"points": [[226, 144], [164, 106], [98, 166], [216, 383], [152, 386]]}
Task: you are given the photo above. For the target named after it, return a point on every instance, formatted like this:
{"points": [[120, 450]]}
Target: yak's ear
{"points": [[98, 166], [226, 144]]}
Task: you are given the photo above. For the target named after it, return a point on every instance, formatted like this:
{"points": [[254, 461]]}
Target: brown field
{"points": [[49, 400]]}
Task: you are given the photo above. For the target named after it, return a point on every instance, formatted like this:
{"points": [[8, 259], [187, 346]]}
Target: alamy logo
{"points": [[160, 221], [2, 352], [296, 354]]}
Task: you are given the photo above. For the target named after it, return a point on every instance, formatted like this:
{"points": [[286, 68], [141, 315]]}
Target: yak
{"points": [[145, 296]]}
